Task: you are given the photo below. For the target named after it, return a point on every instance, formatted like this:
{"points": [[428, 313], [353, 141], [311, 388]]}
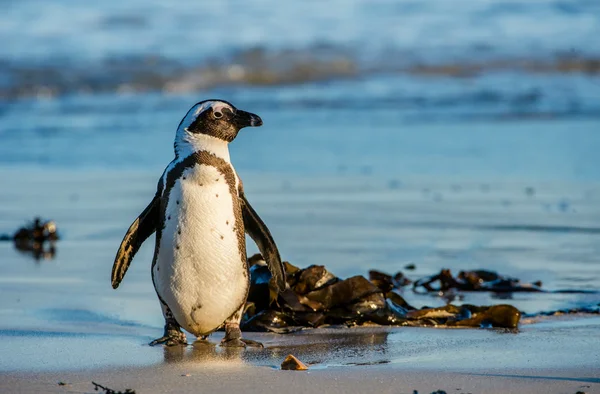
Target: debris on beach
{"points": [[506, 316], [291, 363], [477, 280], [480, 280], [111, 391], [38, 238], [315, 297]]}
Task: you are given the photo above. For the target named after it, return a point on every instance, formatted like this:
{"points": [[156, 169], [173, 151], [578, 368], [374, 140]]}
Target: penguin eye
{"points": [[217, 115]]}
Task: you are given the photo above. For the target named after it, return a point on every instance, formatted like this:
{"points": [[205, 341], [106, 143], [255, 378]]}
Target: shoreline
{"points": [[558, 356], [88, 344]]}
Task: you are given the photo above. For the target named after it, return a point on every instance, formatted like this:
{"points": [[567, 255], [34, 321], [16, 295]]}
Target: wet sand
{"points": [[61, 321], [360, 380], [557, 356]]}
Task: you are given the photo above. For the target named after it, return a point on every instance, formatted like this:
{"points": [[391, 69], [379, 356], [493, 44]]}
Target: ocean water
{"points": [[461, 135]]}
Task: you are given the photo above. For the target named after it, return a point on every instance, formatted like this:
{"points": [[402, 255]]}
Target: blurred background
{"points": [[389, 88], [462, 135]]}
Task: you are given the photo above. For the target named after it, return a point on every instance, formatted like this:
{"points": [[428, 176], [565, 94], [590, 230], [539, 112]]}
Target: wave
{"points": [[259, 67]]}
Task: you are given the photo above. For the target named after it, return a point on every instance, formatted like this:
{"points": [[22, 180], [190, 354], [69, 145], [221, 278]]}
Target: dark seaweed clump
{"points": [[37, 238], [111, 391], [480, 280], [315, 297]]}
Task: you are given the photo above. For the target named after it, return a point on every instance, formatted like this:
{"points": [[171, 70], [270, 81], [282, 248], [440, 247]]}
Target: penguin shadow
{"points": [[202, 352]]}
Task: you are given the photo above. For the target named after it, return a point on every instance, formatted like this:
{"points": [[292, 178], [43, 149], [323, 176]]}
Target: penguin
{"points": [[200, 215]]}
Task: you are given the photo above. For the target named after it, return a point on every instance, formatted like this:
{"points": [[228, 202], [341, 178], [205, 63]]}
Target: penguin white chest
{"points": [[200, 271]]}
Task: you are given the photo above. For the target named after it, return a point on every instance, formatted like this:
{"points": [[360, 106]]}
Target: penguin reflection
{"points": [[201, 352]]}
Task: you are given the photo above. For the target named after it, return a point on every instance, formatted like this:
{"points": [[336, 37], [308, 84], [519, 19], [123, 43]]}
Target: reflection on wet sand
{"points": [[201, 352], [39, 251], [324, 347], [333, 348]]}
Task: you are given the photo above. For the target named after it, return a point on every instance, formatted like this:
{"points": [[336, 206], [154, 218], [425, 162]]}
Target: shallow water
{"points": [[513, 57]]}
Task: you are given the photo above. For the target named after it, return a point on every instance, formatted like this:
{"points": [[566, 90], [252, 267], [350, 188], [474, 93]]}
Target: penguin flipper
{"points": [[141, 228], [258, 231]]}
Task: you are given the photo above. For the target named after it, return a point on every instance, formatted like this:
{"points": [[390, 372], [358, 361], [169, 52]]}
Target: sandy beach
{"points": [[555, 356]]}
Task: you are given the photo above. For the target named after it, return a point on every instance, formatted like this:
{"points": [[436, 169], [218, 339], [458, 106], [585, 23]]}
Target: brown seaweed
{"points": [[315, 297], [270, 320], [479, 280], [343, 292], [504, 316], [313, 278], [387, 282], [38, 239], [496, 316], [381, 280], [107, 390]]}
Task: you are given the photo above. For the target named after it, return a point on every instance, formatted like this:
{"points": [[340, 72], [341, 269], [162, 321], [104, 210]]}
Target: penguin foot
{"points": [[171, 338], [239, 342], [233, 337]]}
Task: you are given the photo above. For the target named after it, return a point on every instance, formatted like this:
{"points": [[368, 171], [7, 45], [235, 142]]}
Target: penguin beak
{"points": [[245, 119]]}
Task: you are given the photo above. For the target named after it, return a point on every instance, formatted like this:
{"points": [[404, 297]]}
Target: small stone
{"points": [[291, 363]]}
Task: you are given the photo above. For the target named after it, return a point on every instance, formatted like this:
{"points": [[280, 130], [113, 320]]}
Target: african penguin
{"points": [[200, 215]]}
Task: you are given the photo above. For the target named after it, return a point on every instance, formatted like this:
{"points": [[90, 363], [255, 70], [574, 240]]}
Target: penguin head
{"points": [[217, 118]]}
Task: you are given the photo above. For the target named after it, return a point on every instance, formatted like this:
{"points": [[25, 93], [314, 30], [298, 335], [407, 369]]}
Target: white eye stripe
{"points": [[194, 113], [218, 106]]}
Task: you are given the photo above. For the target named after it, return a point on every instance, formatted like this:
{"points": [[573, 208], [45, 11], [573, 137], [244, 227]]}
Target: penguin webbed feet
{"points": [[233, 338], [173, 336], [240, 342]]}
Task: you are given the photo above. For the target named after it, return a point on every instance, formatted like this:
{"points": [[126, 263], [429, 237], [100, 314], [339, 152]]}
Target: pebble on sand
{"points": [[291, 363]]}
